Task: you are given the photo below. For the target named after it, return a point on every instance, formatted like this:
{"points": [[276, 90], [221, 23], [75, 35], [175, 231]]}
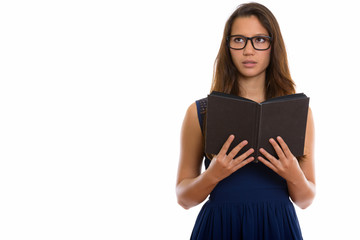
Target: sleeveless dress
{"points": [[252, 203]]}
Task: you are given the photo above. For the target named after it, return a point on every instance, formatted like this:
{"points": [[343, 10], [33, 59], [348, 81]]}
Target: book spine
{"points": [[257, 132], [259, 129]]}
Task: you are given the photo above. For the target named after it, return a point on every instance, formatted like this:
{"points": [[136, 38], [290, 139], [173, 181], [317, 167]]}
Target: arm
{"points": [[302, 190], [192, 187], [300, 175]]}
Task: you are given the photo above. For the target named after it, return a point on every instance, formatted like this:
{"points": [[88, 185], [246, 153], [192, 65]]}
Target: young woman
{"points": [[247, 200]]}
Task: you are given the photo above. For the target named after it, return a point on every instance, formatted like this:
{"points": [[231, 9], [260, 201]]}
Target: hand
{"points": [[222, 165], [287, 166]]}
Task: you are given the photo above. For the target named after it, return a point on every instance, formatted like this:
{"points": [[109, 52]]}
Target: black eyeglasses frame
{"points": [[248, 38]]}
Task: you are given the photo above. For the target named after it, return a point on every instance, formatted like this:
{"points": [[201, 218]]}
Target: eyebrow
{"points": [[259, 34]]}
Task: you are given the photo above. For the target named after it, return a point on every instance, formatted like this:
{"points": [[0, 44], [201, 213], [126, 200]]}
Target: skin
{"points": [[193, 187], [252, 79]]}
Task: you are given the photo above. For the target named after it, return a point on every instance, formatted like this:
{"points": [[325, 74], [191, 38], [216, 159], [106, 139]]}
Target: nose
{"points": [[249, 49]]}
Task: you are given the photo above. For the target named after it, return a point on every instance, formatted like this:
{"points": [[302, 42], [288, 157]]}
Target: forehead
{"points": [[248, 26]]}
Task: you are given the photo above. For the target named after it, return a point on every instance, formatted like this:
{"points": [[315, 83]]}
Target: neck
{"points": [[253, 88]]}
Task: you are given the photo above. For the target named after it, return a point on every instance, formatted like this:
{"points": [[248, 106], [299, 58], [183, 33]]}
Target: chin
{"points": [[252, 74]]}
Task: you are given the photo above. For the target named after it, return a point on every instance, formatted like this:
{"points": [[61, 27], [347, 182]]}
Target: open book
{"points": [[284, 116]]}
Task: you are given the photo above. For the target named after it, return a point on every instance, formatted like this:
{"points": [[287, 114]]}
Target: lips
{"points": [[249, 63]]}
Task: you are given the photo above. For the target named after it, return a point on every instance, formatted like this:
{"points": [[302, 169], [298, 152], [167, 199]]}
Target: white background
{"points": [[93, 94]]}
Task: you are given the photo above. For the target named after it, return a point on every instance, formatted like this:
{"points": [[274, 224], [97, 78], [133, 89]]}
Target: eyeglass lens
{"points": [[259, 42]]}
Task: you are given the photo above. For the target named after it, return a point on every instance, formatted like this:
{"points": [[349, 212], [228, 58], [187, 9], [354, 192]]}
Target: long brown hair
{"points": [[278, 79]]}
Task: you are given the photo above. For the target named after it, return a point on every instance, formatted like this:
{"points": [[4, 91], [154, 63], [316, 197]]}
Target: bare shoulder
{"points": [[192, 115], [310, 134], [310, 114], [192, 111], [191, 130], [310, 129]]}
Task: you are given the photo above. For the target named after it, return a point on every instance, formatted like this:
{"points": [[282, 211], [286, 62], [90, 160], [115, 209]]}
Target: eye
{"points": [[261, 40], [239, 40]]}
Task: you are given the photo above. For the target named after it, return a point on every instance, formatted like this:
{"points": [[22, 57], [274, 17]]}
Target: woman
{"points": [[247, 200]]}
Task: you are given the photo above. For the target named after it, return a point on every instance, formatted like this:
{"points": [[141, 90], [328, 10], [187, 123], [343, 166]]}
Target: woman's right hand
{"points": [[223, 165]]}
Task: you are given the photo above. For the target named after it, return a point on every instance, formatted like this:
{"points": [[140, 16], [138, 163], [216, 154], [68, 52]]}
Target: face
{"points": [[250, 62]]}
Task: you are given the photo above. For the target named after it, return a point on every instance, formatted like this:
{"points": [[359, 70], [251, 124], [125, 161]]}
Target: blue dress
{"points": [[252, 203]]}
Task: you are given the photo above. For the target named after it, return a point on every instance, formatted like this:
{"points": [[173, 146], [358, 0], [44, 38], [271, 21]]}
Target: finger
{"points": [[243, 156], [269, 157], [237, 149], [226, 145], [267, 163], [284, 146], [277, 148], [243, 163]]}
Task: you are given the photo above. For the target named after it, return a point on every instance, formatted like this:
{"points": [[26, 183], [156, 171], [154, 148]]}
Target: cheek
{"points": [[268, 56], [235, 56], [232, 54]]}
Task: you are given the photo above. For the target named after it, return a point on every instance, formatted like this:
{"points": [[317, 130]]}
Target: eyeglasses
{"points": [[239, 42]]}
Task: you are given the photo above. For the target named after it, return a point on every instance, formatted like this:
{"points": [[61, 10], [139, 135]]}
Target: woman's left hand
{"points": [[287, 166]]}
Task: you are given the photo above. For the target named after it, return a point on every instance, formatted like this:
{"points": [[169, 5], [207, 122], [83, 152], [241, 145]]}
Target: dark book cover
{"points": [[284, 116]]}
